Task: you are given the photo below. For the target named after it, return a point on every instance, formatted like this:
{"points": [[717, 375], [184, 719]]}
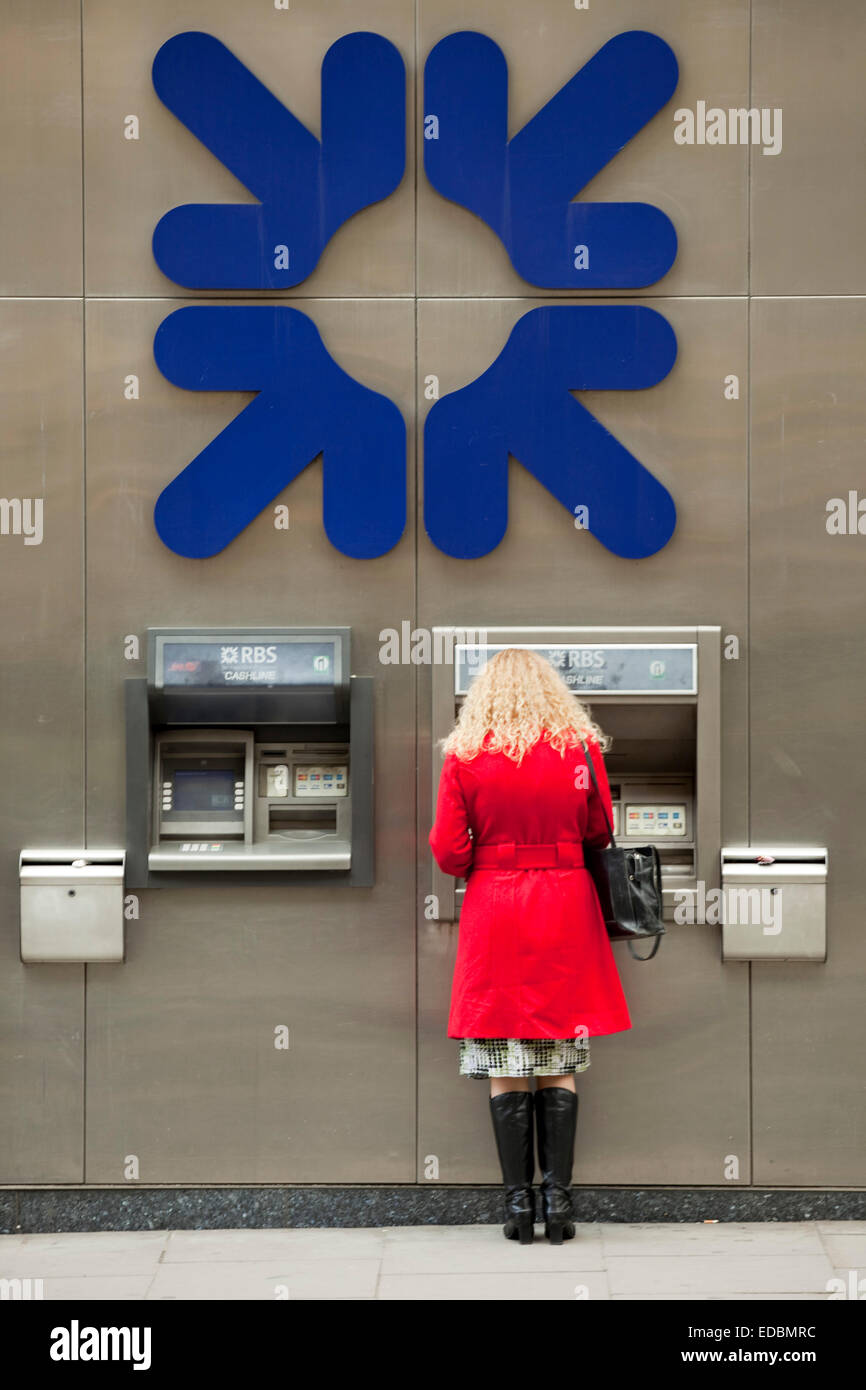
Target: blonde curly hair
{"points": [[516, 699]]}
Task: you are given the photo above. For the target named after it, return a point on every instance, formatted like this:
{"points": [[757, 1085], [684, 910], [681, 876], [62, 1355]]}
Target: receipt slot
{"points": [[655, 691], [250, 753]]}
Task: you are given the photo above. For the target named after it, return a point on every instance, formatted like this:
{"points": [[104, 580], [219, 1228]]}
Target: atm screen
{"points": [[211, 789]]}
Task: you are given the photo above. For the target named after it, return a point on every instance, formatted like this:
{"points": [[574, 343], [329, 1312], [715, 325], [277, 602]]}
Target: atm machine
{"points": [[655, 691], [249, 753]]}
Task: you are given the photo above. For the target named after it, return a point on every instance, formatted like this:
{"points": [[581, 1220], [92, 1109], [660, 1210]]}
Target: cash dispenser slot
{"points": [[250, 753]]}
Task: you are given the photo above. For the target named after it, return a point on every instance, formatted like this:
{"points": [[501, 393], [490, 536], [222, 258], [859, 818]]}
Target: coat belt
{"points": [[565, 854]]}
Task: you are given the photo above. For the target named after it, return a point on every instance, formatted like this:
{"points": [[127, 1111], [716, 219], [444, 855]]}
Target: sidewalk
{"points": [[773, 1260]]}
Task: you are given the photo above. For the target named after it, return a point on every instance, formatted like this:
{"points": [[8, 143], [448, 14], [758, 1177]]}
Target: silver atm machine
{"points": [[249, 752], [655, 691]]}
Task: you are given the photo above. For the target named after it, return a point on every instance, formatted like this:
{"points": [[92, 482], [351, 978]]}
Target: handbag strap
{"points": [[598, 793], [656, 943]]}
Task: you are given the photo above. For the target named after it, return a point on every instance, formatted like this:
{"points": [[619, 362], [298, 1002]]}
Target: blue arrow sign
{"points": [[306, 188], [522, 188], [522, 406], [306, 405]]}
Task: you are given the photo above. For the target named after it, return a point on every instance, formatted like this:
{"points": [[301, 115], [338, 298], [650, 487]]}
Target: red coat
{"points": [[534, 959]]}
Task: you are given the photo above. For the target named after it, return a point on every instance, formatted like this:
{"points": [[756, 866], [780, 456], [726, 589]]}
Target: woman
{"points": [[535, 975]]}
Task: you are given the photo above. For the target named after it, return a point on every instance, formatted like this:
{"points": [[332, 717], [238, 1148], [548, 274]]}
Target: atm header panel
{"points": [[227, 659], [618, 668], [249, 676]]}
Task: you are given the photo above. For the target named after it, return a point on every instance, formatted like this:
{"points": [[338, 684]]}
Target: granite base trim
{"points": [[48, 1210]]}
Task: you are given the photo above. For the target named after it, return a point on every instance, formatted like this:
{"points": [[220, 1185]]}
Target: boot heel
{"points": [[558, 1231], [522, 1230]]}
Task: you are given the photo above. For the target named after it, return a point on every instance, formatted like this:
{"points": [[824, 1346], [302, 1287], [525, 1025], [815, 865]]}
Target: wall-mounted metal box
{"points": [[71, 905], [774, 903]]}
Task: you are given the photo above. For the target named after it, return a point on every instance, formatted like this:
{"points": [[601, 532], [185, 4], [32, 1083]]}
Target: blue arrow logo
{"points": [[306, 405], [523, 187], [522, 406], [306, 188]]}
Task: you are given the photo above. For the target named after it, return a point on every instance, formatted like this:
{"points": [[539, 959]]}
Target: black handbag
{"points": [[629, 885]]}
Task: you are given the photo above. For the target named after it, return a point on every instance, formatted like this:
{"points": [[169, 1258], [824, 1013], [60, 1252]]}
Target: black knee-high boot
{"points": [[556, 1125], [512, 1125]]}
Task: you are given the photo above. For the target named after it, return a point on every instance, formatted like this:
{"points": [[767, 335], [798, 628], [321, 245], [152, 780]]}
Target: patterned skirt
{"points": [[483, 1057]]}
